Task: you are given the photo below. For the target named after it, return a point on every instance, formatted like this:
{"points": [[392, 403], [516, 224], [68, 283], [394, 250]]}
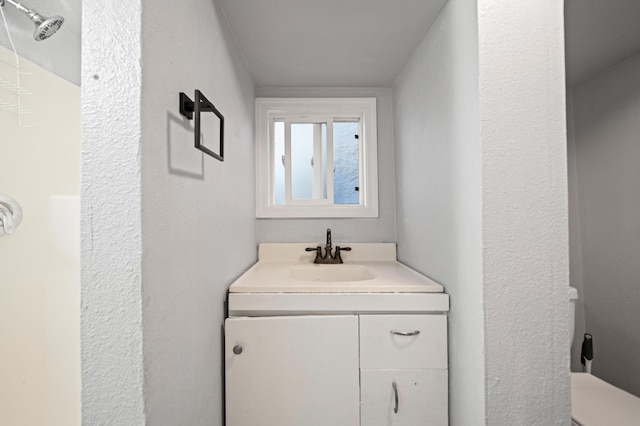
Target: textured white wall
{"points": [[524, 212], [39, 277], [111, 321], [482, 203], [380, 229], [438, 187], [162, 223], [198, 214], [606, 111]]}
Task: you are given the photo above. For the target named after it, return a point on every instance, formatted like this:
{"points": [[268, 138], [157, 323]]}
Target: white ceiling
{"points": [[599, 33], [368, 42], [341, 42], [329, 42]]}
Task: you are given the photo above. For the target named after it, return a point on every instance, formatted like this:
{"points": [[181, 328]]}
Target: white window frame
{"points": [[269, 110]]}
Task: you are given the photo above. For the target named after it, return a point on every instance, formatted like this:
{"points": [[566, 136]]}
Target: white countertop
{"points": [[279, 266], [370, 281], [388, 277]]}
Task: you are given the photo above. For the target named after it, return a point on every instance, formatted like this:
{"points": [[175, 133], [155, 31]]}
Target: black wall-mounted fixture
{"points": [[189, 108]]}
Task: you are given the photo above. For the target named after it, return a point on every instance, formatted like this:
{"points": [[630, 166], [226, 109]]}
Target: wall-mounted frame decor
{"points": [[189, 109]]}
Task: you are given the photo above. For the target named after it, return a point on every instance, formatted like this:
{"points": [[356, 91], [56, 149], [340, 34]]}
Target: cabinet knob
{"points": [[237, 349]]}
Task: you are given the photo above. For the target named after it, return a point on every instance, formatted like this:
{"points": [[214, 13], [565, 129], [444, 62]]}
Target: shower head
{"points": [[45, 27]]}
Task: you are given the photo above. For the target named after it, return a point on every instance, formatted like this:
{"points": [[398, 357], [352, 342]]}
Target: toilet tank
{"points": [[573, 296]]}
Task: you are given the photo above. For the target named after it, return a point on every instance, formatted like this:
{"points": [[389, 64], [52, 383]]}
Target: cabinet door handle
{"points": [[405, 333], [395, 395]]}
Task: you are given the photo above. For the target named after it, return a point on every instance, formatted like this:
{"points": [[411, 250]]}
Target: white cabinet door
{"points": [[292, 371], [419, 398]]}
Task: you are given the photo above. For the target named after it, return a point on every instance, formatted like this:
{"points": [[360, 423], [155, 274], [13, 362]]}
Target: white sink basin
{"points": [[331, 273]]}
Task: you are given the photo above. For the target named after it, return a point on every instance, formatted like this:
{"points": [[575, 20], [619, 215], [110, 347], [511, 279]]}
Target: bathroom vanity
{"points": [[358, 343]]}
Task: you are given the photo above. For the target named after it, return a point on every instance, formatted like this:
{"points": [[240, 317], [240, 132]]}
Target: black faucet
{"points": [[327, 247], [329, 257]]}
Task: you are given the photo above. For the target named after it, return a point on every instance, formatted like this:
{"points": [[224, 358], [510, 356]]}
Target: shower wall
{"points": [[606, 110], [39, 266]]}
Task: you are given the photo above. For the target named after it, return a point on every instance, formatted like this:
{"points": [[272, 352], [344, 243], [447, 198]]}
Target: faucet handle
{"points": [[318, 251], [337, 257]]}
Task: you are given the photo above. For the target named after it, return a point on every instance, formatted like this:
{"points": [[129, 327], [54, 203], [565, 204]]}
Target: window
{"points": [[316, 157]]}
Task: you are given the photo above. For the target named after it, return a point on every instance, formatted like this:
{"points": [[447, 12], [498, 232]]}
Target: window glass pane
{"points": [[345, 161], [308, 141], [278, 162], [301, 158]]}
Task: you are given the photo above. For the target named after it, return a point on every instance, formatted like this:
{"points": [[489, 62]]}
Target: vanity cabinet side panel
{"points": [[292, 371]]}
